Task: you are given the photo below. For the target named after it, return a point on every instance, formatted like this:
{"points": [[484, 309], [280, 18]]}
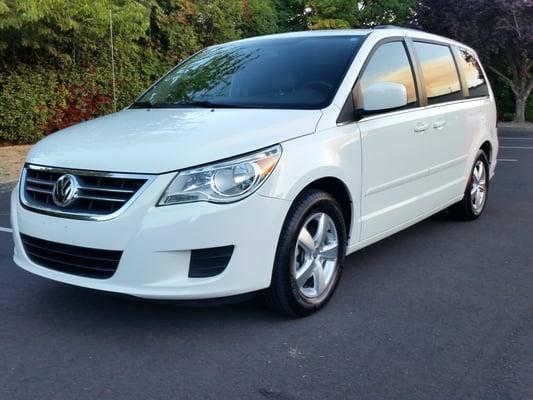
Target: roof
{"points": [[382, 31]]}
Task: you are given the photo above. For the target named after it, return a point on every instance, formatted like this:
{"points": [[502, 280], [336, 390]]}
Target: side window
{"points": [[475, 80], [389, 63], [439, 72]]}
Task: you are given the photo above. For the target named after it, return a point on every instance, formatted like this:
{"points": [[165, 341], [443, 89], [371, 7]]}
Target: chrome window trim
{"points": [[80, 216]]}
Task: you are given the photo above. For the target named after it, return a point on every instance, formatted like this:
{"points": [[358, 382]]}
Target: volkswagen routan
{"points": [[256, 166]]}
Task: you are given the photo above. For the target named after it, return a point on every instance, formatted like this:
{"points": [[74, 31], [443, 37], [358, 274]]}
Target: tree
{"points": [[32, 31], [500, 30], [259, 18], [218, 21], [172, 33], [291, 15], [331, 14], [383, 12], [335, 14]]}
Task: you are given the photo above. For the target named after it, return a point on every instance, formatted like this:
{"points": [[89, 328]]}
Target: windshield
{"points": [[291, 73]]}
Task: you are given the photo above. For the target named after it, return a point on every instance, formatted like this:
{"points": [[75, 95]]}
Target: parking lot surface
{"points": [[442, 310]]}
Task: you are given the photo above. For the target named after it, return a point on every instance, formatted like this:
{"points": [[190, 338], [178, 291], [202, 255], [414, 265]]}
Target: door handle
{"points": [[439, 124], [421, 127]]}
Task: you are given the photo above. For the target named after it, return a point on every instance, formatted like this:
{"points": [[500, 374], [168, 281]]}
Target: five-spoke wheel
{"points": [[478, 188], [310, 254], [475, 197], [316, 255]]}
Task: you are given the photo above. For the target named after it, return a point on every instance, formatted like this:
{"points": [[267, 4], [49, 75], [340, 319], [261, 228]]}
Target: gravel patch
{"points": [[11, 162]]}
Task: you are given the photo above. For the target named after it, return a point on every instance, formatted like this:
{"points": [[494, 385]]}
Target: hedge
{"points": [[38, 101]]}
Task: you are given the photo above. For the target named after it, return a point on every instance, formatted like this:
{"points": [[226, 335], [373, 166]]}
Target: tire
{"points": [[471, 206], [308, 266]]}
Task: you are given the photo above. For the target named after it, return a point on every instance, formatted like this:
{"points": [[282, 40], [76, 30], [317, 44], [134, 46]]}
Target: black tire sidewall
{"points": [[309, 203], [468, 197]]}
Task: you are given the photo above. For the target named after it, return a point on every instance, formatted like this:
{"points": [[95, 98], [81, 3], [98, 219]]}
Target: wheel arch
{"points": [[487, 148], [339, 191]]}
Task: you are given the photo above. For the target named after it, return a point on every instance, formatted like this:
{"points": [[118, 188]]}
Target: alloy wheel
{"points": [[316, 256], [478, 190]]}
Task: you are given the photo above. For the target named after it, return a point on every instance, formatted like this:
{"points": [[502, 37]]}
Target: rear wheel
{"points": [[309, 256], [477, 190]]}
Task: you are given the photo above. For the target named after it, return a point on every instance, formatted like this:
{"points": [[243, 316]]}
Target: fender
{"points": [[337, 155]]}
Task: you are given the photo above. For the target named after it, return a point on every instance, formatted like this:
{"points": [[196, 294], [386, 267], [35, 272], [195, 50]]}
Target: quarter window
{"points": [[439, 72], [475, 80], [389, 63]]}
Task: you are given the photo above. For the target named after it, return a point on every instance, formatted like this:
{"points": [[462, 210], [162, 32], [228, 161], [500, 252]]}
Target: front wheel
{"points": [[309, 257], [477, 190]]}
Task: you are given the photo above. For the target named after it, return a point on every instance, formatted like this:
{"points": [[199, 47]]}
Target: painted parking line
{"points": [[7, 230], [517, 147], [507, 160]]}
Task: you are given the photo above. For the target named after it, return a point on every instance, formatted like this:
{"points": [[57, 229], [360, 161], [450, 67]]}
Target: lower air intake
{"points": [[81, 261], [209, 262]]}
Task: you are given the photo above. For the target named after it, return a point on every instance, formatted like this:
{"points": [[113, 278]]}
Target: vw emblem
{"points": [[65, 190]]}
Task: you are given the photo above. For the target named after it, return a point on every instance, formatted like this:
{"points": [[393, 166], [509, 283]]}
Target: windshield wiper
{"points": [[205, 104], [192, 103], [142, 104]]}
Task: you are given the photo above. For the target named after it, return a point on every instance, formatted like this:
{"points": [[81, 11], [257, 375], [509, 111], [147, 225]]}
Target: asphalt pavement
{"points": [[442, 310]]}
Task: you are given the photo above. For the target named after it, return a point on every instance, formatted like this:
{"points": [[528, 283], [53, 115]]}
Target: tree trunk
{"points": [[520, 109]]}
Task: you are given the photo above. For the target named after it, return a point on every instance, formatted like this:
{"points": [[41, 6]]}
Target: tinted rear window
{"points": [[475, 80], [439, 72]]}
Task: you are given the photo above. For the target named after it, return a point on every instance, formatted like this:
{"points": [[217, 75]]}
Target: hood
{"points": [[162, 140]]}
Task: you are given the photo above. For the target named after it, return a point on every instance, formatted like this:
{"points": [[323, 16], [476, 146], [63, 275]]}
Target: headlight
{"points": [[223, 182]]}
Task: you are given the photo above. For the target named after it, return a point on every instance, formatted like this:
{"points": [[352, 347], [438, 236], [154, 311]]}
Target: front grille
{"points": [[209, 262], [98, 194], [81, 261]]}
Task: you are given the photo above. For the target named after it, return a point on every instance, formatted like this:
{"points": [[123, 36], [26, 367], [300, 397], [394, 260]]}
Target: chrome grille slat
{"points": [[100, 195], [107, 190], [99, 198], [40, 181], [38, 190]]}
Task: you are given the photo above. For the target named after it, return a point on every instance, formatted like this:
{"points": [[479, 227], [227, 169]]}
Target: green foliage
{"points": [[55, 60], [218, 21], [172, 26], [291, 15], [35, 31], [382, 12], [339, 14], [505, 100], [259, 18], [330, 23], [38, 100], [28, 97], [331, 14]]}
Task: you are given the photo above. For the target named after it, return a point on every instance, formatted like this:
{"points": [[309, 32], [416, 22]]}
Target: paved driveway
{"points": [[443, 310]]}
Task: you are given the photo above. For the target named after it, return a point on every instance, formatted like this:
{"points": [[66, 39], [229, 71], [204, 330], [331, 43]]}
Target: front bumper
{"points": [[157, 243]]}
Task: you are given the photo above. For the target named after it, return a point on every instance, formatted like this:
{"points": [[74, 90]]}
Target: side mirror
{"points": [[384, 96]]}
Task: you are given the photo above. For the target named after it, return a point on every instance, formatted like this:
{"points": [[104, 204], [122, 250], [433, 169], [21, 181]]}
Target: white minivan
{"points": [[258, 165]]}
